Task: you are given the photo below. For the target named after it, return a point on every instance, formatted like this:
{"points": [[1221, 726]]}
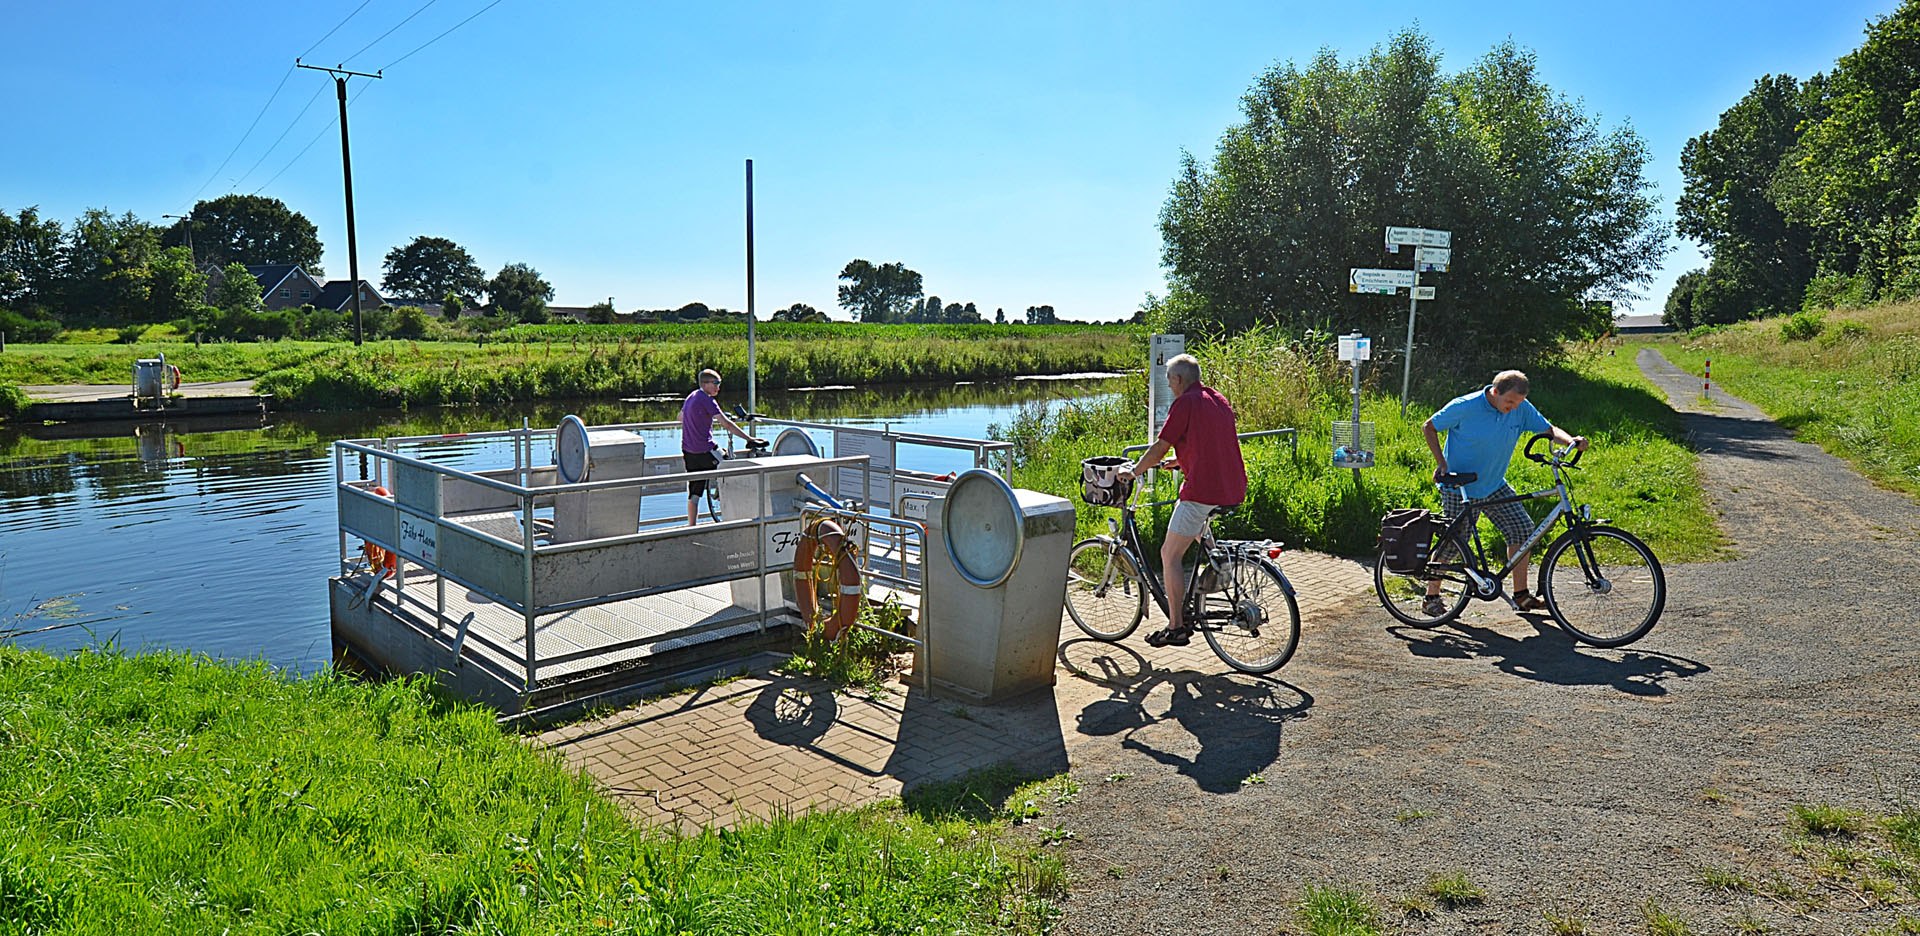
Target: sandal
{"points": [[1528, 601], [1169, 637]]}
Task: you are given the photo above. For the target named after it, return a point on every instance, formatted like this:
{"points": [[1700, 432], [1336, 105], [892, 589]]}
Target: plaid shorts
{"points": [[1511, 518]]}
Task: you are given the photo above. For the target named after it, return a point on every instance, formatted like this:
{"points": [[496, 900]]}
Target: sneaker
{"points": [[1435, 606]]}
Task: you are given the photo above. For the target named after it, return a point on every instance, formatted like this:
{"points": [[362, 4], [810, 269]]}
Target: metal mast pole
{"points": [[1413, 310], [753, 369], [340, 76]]}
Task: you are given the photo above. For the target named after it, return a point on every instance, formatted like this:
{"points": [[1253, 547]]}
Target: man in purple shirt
{"points": [[696, 435]]}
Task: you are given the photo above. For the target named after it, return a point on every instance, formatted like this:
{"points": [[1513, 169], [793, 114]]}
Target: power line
{"points": [[243, 138], [335, 29], [331, 123], [283, 135], [443, 35], [410, 16]]}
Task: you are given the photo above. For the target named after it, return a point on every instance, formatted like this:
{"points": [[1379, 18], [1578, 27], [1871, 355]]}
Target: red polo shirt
{"points": [[1200, 427]]}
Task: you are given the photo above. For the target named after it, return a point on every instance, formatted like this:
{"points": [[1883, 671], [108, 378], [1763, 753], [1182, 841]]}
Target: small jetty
{"points": [[118, 403]]}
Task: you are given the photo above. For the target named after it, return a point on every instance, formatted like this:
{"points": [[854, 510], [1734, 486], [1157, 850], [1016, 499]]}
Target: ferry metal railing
{"points": [[825, 506], [413, 521]]}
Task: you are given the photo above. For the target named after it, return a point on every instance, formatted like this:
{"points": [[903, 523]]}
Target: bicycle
{"points": [[1236, 595], [1601, 584]]}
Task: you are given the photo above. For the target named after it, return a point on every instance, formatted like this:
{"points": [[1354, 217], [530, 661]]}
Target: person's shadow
{"points": [[1551, 655], [1236, 719]]}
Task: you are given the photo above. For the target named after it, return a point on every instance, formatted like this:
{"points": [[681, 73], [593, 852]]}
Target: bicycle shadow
{"points": [[1551, 655], [1218, 729]]}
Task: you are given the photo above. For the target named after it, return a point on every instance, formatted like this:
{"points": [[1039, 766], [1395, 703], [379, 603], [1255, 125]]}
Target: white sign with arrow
{"points": [[1417, 237], [1384, 282], [1432, 259]]}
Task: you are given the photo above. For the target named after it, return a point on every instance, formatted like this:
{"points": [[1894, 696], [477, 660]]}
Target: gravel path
{"points": [[1556, 777]]}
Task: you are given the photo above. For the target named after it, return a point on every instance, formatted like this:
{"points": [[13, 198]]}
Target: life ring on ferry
{"points": [[377, 556], [828, 535], [174, 371]]}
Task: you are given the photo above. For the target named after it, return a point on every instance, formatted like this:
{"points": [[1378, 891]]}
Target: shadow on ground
{"points": [[1549, 655], [1218, 729]]}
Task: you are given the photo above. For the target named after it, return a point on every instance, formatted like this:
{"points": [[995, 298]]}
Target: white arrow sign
{"points": [[1418, 237], [1378, 281], [1432, 259]]}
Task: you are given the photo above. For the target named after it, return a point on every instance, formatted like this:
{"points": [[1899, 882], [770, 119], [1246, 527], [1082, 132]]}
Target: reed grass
{"points": [[162, 793]]}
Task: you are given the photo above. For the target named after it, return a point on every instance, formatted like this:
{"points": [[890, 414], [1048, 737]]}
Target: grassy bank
{"points": [[1848, 381], [167, 794], [579, 362], [1639, 474]]}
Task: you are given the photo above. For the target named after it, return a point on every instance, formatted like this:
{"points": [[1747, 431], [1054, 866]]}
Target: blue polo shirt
{"points": [[1481, 439]]}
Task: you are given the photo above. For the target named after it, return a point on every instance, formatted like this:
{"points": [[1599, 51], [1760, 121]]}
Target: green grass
{"points": [[1829, 821], [580, 362], [1661, 923], [1337, 911], [1854, 390], [165, 793], [1454, 890], [1639, 474]]}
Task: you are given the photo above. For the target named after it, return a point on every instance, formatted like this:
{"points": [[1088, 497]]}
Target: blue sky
{"points": [[1014, 154]]}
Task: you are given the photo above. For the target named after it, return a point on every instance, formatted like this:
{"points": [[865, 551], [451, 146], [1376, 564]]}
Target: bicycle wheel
{"points": [[1603, 585], [1105, 596], [712, 499], [1404, 594], [1253, 621]]}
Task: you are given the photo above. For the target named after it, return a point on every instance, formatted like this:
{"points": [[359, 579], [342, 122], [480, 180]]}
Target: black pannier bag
{"points": [[1406, 539], [1100, 483]]}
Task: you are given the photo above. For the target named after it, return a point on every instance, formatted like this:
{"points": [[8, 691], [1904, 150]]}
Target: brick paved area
{"points": [[766, 742]]}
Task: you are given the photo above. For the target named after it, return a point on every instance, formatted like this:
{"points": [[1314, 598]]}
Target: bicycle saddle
{"points": [[1458, 478]]}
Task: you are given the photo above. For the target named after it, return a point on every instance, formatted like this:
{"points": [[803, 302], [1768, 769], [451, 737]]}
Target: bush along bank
{"points": [[405, 374], [1639, 474]]}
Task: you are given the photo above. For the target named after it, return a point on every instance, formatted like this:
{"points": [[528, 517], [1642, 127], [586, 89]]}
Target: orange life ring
{"points": [[378, 556], [175, 371], [827, 534]]}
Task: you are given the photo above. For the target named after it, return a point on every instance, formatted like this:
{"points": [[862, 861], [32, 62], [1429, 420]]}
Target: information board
{"points": [[1160, 350]]}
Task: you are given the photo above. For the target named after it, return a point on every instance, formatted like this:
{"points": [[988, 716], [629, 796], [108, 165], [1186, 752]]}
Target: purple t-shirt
{"points": [[696, 422]]}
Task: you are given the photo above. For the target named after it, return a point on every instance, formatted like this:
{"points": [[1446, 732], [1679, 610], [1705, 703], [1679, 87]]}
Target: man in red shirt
{"points": [[1200, 428]]}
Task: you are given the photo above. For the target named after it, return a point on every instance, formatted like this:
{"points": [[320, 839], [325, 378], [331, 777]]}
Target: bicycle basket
{"points": [[1406, 538], [1100, 483]]}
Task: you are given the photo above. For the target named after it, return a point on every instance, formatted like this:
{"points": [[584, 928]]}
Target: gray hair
{"points": [[1510, 381], [1186, 366], [709, 374]]}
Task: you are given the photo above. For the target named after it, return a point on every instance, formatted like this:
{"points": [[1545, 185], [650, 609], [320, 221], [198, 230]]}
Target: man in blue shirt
{"points": [[1482, 429]]}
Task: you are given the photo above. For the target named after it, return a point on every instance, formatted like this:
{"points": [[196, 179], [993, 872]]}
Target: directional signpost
{"points": [[1383, 282], [1432, 253]]}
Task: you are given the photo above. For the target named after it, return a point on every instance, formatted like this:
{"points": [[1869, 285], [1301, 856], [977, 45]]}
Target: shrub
{"points": [[28, 329], [1835, 291], [409, 322], [1843, 333], [13, 401], [1802, 326]]}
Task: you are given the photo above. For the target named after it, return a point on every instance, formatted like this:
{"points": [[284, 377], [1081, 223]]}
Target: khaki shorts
{"points": [[1190, 518]]}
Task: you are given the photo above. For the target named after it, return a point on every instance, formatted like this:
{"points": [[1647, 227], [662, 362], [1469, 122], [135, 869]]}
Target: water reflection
{"points": [[218, 537]]}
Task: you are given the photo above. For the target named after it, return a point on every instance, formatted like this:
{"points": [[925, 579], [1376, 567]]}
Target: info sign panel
{"points": [[1356, 348], [1383, 282], [1432, 259], [878, 448], [1417, 237], [1160, 350]]}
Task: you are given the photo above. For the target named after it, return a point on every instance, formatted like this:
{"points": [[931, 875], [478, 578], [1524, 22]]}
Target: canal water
{"points": [[219, 538]]}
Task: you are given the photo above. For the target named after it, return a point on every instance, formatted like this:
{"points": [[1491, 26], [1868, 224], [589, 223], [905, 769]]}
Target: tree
{"points": [[1000, 316], [519, 292], [929, 310], [237, 292], [600, 313], [878, 293], [432, 266], [1679, 308], [29, 261], [1041, 315], [176, 289], [451, 305], [799, 312], [970, 314], [1761, 260], [251, 229], [1547, 210], [1854, 176], [104, 268]]}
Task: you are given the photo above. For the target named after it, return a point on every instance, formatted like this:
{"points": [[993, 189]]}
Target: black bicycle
{"points": [[1236, 595], [754, 447], [1600, 583]]}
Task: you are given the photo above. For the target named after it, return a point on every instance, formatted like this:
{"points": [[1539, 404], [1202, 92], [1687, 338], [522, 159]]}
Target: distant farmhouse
{"points": [[286, 286], [1640, 325]]}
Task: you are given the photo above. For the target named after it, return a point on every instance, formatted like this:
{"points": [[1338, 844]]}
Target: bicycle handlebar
{"points": [[1554, 456]]}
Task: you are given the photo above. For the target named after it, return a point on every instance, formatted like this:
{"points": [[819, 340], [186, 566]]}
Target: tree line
{"points": [[1806, 194], [891, 292]]}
